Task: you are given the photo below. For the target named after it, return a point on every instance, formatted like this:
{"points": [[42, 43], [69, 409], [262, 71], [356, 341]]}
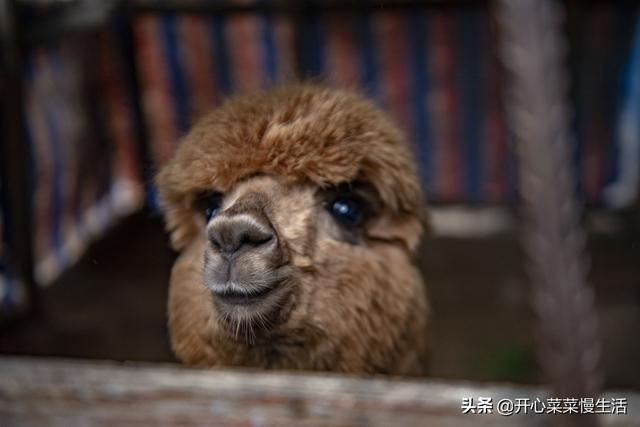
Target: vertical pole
{"points": [[14, 151], [299, 15], [533, 51]]}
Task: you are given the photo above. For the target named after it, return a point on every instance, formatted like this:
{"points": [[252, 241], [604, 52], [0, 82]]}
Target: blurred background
{"points": [[96, 94]]}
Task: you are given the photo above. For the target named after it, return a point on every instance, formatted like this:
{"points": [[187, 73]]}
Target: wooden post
{"points": [[14, 155]]}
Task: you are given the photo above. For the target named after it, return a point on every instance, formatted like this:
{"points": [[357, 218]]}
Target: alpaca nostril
{"points": [[215, 242], [249, 240], [229, 234]]}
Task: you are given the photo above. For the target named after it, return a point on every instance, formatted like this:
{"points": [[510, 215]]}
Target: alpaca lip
{"points": [[233, 297]]}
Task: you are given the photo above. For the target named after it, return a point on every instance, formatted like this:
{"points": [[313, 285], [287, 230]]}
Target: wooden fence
{"points": [[50, 392]]}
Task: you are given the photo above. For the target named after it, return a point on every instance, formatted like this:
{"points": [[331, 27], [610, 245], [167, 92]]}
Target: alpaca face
{"points": [[266, 241], [296, 213]]}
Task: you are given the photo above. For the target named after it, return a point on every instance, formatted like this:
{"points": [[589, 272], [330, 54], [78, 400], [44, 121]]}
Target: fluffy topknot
{"points": [[302, 132]]}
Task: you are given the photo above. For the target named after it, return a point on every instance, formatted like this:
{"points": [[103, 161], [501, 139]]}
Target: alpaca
{"points": [[296, 212]]}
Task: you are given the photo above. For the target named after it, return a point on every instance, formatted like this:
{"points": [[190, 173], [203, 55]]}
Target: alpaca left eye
{"points": [[347, 210], [209, 204]]}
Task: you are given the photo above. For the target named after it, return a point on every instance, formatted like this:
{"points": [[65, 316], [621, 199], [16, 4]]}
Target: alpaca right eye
{"points": [[347, 210], [209, 204], [350, 204]]}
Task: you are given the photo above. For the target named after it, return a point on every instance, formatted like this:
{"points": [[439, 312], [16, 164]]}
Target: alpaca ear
{"points": [[405, 228]]}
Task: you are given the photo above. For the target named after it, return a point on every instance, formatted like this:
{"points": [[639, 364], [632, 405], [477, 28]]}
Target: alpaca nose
{"points": [[231, 234]]}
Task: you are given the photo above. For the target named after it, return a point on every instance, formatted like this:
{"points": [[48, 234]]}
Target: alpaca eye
{"points": [[210, 204], [347, 210]]}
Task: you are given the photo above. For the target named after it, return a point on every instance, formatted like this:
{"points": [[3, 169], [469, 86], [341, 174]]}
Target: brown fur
{"points": [[352, 306]]}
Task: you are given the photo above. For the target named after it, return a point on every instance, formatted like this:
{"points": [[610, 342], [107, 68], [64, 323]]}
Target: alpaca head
{"points": [[296, 212]]}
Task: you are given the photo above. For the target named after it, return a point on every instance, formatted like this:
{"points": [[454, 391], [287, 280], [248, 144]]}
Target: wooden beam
{"points": [[49, 392], [288, 6], [71, 19]]}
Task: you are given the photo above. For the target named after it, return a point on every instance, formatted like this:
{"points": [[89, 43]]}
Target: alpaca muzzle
{"points": [[243, 258]]}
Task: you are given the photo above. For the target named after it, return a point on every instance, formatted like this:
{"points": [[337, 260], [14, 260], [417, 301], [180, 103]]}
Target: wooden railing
{"points": [[49, 392]]}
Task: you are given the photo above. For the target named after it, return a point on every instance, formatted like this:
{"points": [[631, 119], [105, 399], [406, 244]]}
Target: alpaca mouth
{"points": [[240, 297]]}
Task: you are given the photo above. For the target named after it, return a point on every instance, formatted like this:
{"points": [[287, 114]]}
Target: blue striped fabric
{"points": [[369, 60], [269, 51], [312, 52], [419, 62], [451, 140], [472, 70], [221, 54], [177, 72]]}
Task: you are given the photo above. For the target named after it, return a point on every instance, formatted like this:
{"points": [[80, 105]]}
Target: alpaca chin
{"points": [[249, 317]]}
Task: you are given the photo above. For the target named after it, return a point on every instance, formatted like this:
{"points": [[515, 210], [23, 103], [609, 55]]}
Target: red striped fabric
{"points": [[342, 54], [157, 98], [285, 47], [242, 32], [393, 38], [126, 162], [448, 152], [196, 49]]}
